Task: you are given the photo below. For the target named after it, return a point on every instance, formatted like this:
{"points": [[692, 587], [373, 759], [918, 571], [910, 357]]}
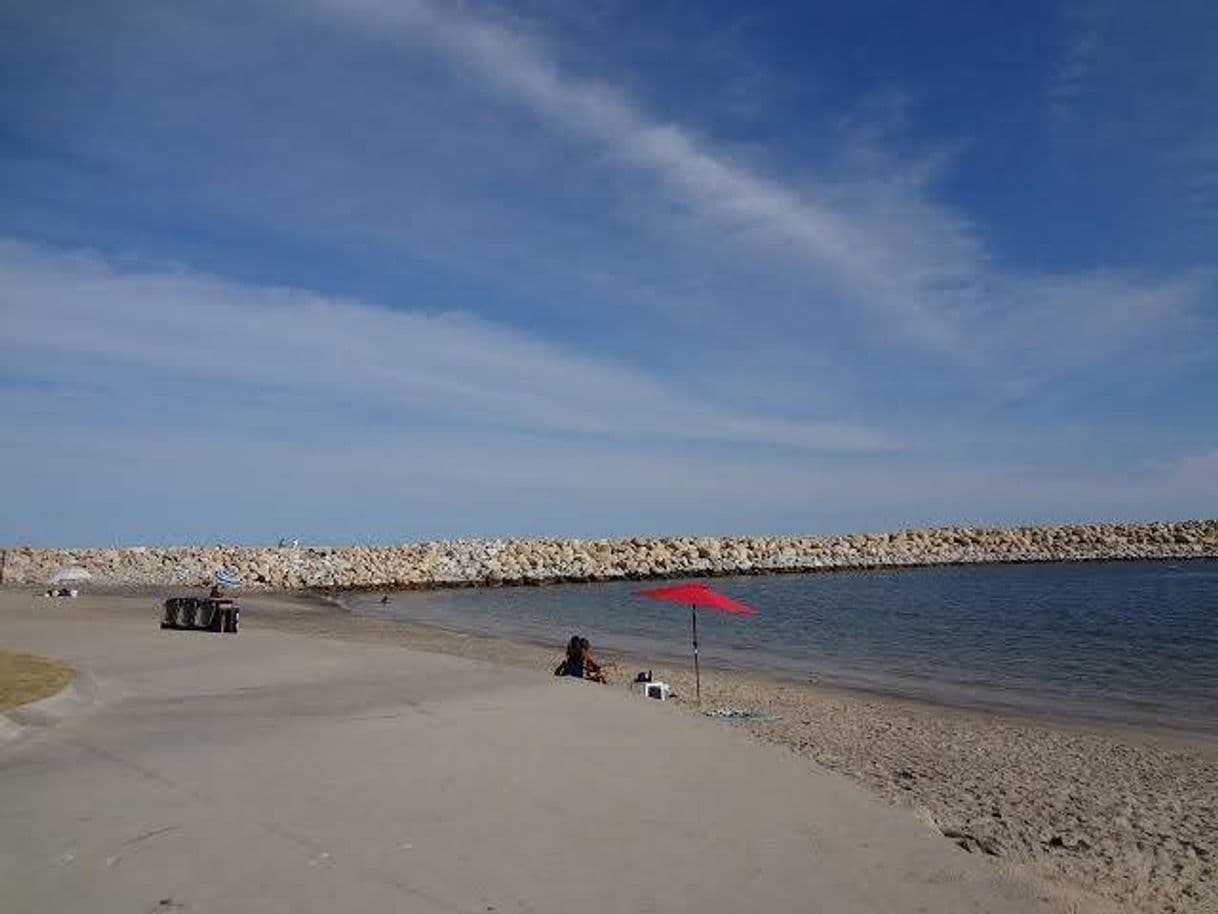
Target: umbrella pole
{"points": [[693, 615]]}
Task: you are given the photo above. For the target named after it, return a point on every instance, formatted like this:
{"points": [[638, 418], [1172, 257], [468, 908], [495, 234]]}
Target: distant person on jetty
{"points": [[579, 661]]}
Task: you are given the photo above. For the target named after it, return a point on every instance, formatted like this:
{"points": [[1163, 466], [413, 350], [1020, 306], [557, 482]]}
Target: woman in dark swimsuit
{"points": [[579, 662]]}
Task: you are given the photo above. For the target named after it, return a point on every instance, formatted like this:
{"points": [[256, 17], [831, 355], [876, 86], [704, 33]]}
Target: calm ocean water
{"points": [[1129, 641]]}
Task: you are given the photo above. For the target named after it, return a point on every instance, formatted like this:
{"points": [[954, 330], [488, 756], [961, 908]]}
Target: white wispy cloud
{"points": [[76, 307], [897, 254], [1075, 74], [456, 427]]}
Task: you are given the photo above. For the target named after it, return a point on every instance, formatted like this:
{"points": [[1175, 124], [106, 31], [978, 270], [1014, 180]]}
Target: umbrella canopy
{"points": [[71, 574], [699, 595], [227, 578], [693, 596]]}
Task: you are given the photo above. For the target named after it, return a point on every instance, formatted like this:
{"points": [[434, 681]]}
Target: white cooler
{"points": [[658, 690]]}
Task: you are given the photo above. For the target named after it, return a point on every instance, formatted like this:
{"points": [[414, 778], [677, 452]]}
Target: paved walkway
{"points": [[277, 773]]}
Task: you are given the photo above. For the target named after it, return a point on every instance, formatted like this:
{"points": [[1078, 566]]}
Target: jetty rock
{"points": [[496, 562]]}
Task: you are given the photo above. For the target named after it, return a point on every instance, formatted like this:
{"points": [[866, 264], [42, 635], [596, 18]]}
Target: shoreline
{"points": [[297, 608], [776, 679], [937, 683]]}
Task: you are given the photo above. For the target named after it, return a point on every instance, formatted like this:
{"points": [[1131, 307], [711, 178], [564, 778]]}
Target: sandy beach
{"points": [[1036, 813]]}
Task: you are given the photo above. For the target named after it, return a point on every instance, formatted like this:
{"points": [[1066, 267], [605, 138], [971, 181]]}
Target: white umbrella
{"points": [[226, 577], [73, 574]]}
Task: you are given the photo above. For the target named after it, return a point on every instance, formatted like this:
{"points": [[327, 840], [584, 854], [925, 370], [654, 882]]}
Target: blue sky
{"points": [[381, 269]]}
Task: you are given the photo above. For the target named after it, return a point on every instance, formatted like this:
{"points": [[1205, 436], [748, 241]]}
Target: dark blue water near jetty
{"points": [[1134, 641]]}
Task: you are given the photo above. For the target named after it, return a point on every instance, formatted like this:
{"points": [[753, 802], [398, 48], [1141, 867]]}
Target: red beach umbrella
{"points": [[693, 596]]}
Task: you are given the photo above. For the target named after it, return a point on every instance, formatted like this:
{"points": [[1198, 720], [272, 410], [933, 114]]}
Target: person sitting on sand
{"points": [[573, 663], [579, 661], [592, 669]]}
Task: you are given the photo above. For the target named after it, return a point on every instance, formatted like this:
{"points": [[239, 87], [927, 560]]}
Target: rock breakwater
{"points": [[467, 562]]}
